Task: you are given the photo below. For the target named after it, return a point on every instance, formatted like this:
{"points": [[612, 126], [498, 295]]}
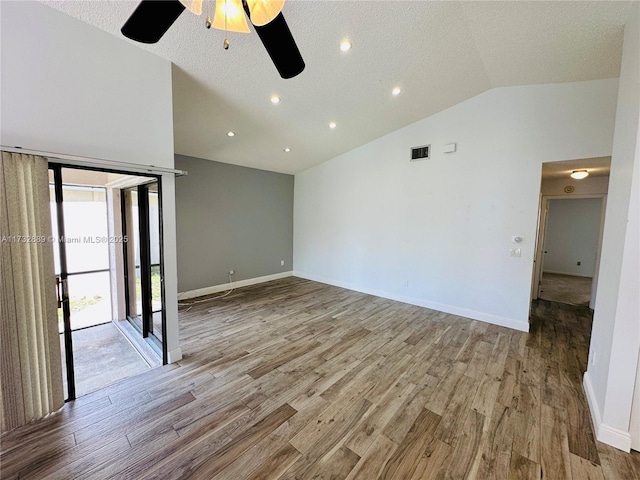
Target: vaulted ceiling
{"points": [[439, 53]]}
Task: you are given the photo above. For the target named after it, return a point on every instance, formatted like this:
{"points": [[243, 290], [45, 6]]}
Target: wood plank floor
{"points": [[294, 379]]}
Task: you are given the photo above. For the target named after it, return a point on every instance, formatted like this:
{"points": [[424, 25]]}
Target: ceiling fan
{"points": [[152, 18]]}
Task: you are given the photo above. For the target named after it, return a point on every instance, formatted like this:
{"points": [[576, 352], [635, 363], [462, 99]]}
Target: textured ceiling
{"points": [[440, 53]]}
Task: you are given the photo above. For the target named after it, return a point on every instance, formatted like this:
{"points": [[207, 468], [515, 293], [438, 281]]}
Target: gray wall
{"points": [[573, 230], [231, 218]]}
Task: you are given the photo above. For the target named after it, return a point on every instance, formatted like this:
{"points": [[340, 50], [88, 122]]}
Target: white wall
{"points": [[634, 427], [72, 89], [572, 236], [371, 220], [615, 341], [67, 86]]}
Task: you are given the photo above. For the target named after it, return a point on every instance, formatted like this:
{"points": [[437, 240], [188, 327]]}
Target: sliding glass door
{"points": [[108, 266], [155, 252], [141, 216]]}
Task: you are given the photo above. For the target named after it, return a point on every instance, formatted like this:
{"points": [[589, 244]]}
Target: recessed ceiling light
{"points": [[287, 149], [231, 134], [396, 91], [332, 125], [345, 45], [275, 99]]}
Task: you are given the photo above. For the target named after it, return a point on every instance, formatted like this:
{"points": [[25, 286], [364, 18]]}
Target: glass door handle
{"points": [[58, 294], [61, 291]]}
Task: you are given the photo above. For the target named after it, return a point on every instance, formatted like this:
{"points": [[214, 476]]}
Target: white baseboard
{"points": [[463, 312], [174, 355], [226, 286], [604, 433]]}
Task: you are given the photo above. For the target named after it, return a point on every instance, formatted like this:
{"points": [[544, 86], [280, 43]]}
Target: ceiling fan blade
{"points": [[151, 20], [281, 47]]}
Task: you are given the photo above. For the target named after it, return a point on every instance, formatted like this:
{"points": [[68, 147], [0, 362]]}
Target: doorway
{"points": [[98, 347], [570, 249], [570, 227]]}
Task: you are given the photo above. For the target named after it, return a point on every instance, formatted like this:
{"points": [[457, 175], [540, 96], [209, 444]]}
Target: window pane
{"points": [[86, 229], [156, 289], [138, 310], [89, 299], [154, 225]]}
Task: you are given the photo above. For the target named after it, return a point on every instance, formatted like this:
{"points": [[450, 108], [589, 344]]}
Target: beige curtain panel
{"points": [[30, 364]]}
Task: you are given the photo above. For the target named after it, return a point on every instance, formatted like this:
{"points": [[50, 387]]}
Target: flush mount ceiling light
{"points": [[151, 20], [287, 150], [345, 45], [579, 174], [275, 99], [231, 134], [332, 125], [396, 91]]}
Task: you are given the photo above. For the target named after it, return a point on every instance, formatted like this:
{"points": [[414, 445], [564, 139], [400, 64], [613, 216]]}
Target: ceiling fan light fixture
{"points": [[151, 20], [194, 6], [232, 12], [262, 12], [579, 174]]}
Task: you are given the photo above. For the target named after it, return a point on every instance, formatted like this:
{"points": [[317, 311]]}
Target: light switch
{"points": [[515, 252]]}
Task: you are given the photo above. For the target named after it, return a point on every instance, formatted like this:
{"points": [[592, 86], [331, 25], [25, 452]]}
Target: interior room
{"points": [[363, 239], [572, 214]]}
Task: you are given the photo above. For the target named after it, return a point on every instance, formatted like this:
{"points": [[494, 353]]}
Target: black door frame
{"points": [[64, 276], [146, 316], [56, 168]]}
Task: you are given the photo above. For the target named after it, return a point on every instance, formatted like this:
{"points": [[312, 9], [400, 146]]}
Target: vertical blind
{"points": [[30, 360]]}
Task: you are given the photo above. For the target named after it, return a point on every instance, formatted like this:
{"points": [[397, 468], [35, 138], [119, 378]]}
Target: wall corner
{"points": [[604, 433]]}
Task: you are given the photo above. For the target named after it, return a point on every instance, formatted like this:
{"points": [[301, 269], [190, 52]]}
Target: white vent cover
{"points": [[420, 153]]}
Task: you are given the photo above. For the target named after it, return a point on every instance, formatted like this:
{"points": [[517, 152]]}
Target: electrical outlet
{"points": [[578, 263], [282, 263], [232, 272], [405, 283]]}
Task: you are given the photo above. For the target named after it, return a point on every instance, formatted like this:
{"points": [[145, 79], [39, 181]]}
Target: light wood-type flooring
{"points": [[569, 289], [294, 379]]}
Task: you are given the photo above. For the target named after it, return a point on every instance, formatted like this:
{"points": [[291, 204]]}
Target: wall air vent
{"points": [[420, 153]]}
